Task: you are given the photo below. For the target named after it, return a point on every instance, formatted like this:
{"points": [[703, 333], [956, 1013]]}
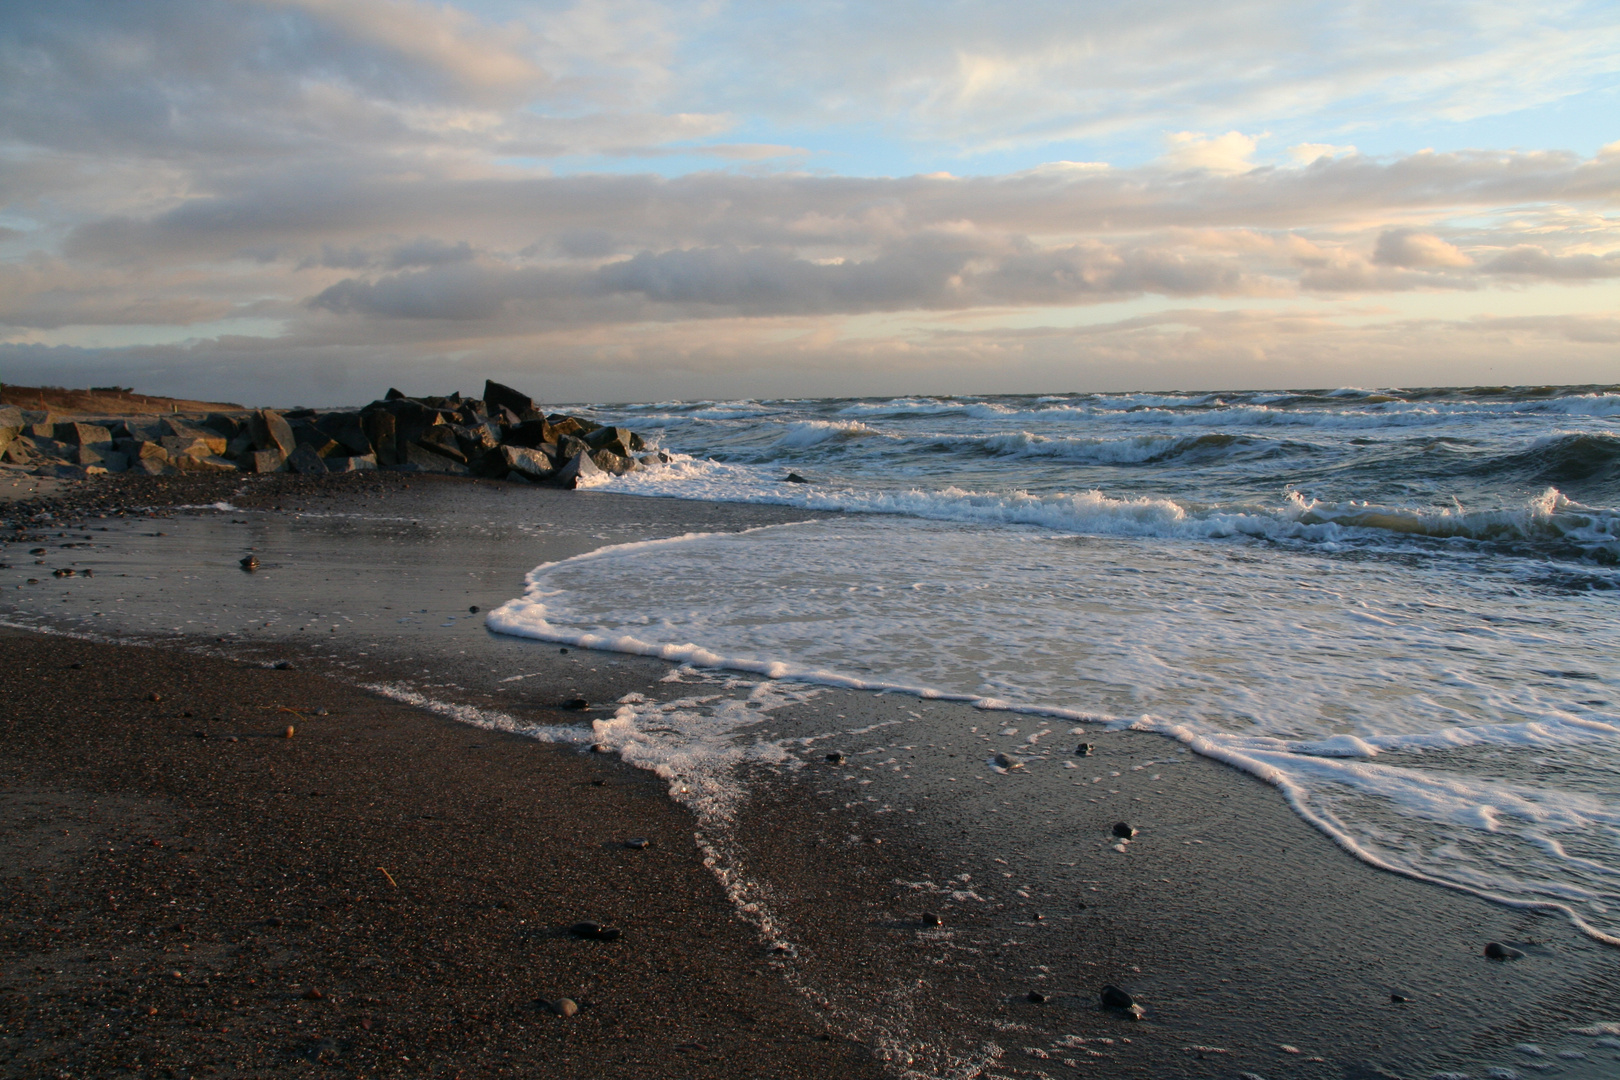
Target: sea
{"points": [[1399, 607]]}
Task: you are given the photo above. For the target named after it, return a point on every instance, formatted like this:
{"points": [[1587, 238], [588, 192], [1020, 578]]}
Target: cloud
{"points": [[1306, 153], [1414, 250], [1227, 153]]}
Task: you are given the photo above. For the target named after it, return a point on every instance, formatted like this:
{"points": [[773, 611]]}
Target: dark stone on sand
{"points": [[577, 704], [931, 919], [527, 463], [1123, 831], [579, 467], [836, 758], [1399, 999], [1036, 997], [594, 931], [614, 464], [1008, 762], [601, 748], [500, 396], [313, 994], [427, 460], [473, 609], [1495, 950], [1084, 749], [621, 441], [271, 432], [1115, 998], [267, 461], [250, 563], [63, 572], [638, 843], [282, 665], [382, 432], [306, 461], [348, 430], [564, 1007], [794, 478]]}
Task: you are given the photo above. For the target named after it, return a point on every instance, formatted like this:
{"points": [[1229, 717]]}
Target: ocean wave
{"points": [[1548, 519], [806, 433]]}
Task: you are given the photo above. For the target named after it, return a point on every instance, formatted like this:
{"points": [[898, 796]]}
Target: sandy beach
{"points": [[184, 878]]}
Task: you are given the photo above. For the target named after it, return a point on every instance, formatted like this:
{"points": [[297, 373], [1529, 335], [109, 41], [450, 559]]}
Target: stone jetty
{"points": [[503, 434]]}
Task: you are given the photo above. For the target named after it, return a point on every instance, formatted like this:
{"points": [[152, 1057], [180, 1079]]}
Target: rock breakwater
{"points": [[502, 434]]}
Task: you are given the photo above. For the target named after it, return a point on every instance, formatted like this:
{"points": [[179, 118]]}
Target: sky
{"points": [[283, 202]]}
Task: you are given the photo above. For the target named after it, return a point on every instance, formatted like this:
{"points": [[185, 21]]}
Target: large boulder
{"points": [[173, 427], [149, 467], [11, 416], [228, 426], [272, 432], [81, 434], [382, 432], [267, 461], [428, 461], [348, 431], [563, 424], [527, 463], [614, 464], [441, 439], [305, 461], [621, 441], [184, 446], [205, 464], [355, 463], [317, 440], [577, 469], [500, 396]]}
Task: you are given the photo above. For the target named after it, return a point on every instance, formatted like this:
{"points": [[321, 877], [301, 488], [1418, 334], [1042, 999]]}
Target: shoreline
{"points": [[1264, 884]]}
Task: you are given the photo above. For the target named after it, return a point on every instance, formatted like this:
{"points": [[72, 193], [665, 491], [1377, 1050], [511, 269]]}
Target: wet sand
{"points": [[1246, 935]]}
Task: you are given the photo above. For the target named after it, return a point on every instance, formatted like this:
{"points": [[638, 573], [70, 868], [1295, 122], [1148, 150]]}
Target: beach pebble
{"points": [[1115, 998], [563, 1006], [1036, 997], [313, 994], [282, 665], [154, 696], [638, 842], [473, 610], [1399, 999], [593, 931], [1123, 831], [290, 732], [601, 748], [794, 478], [1008, 762], [1495, 950], [1084, 749], [576, 704], [250, 563], [931, 919], [836, 758]]}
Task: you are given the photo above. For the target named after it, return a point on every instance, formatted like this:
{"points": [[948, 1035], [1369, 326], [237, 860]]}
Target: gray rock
{"points": [[1007, 761], [1123, 831], [352, 464], [500, 396], [613, 464], [207, 464], [382, 431], [81, 434], [11, 416], [428, 461], [529, 464], [621, 441], [306, 462], [267, 461], [228, 426], [272, 432], [152, 466], [347, 430], [577, 468], [1498, 951]]}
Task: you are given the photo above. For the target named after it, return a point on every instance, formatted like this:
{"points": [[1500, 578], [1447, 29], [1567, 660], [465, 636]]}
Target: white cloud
{"points": [[1227, 153]]}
